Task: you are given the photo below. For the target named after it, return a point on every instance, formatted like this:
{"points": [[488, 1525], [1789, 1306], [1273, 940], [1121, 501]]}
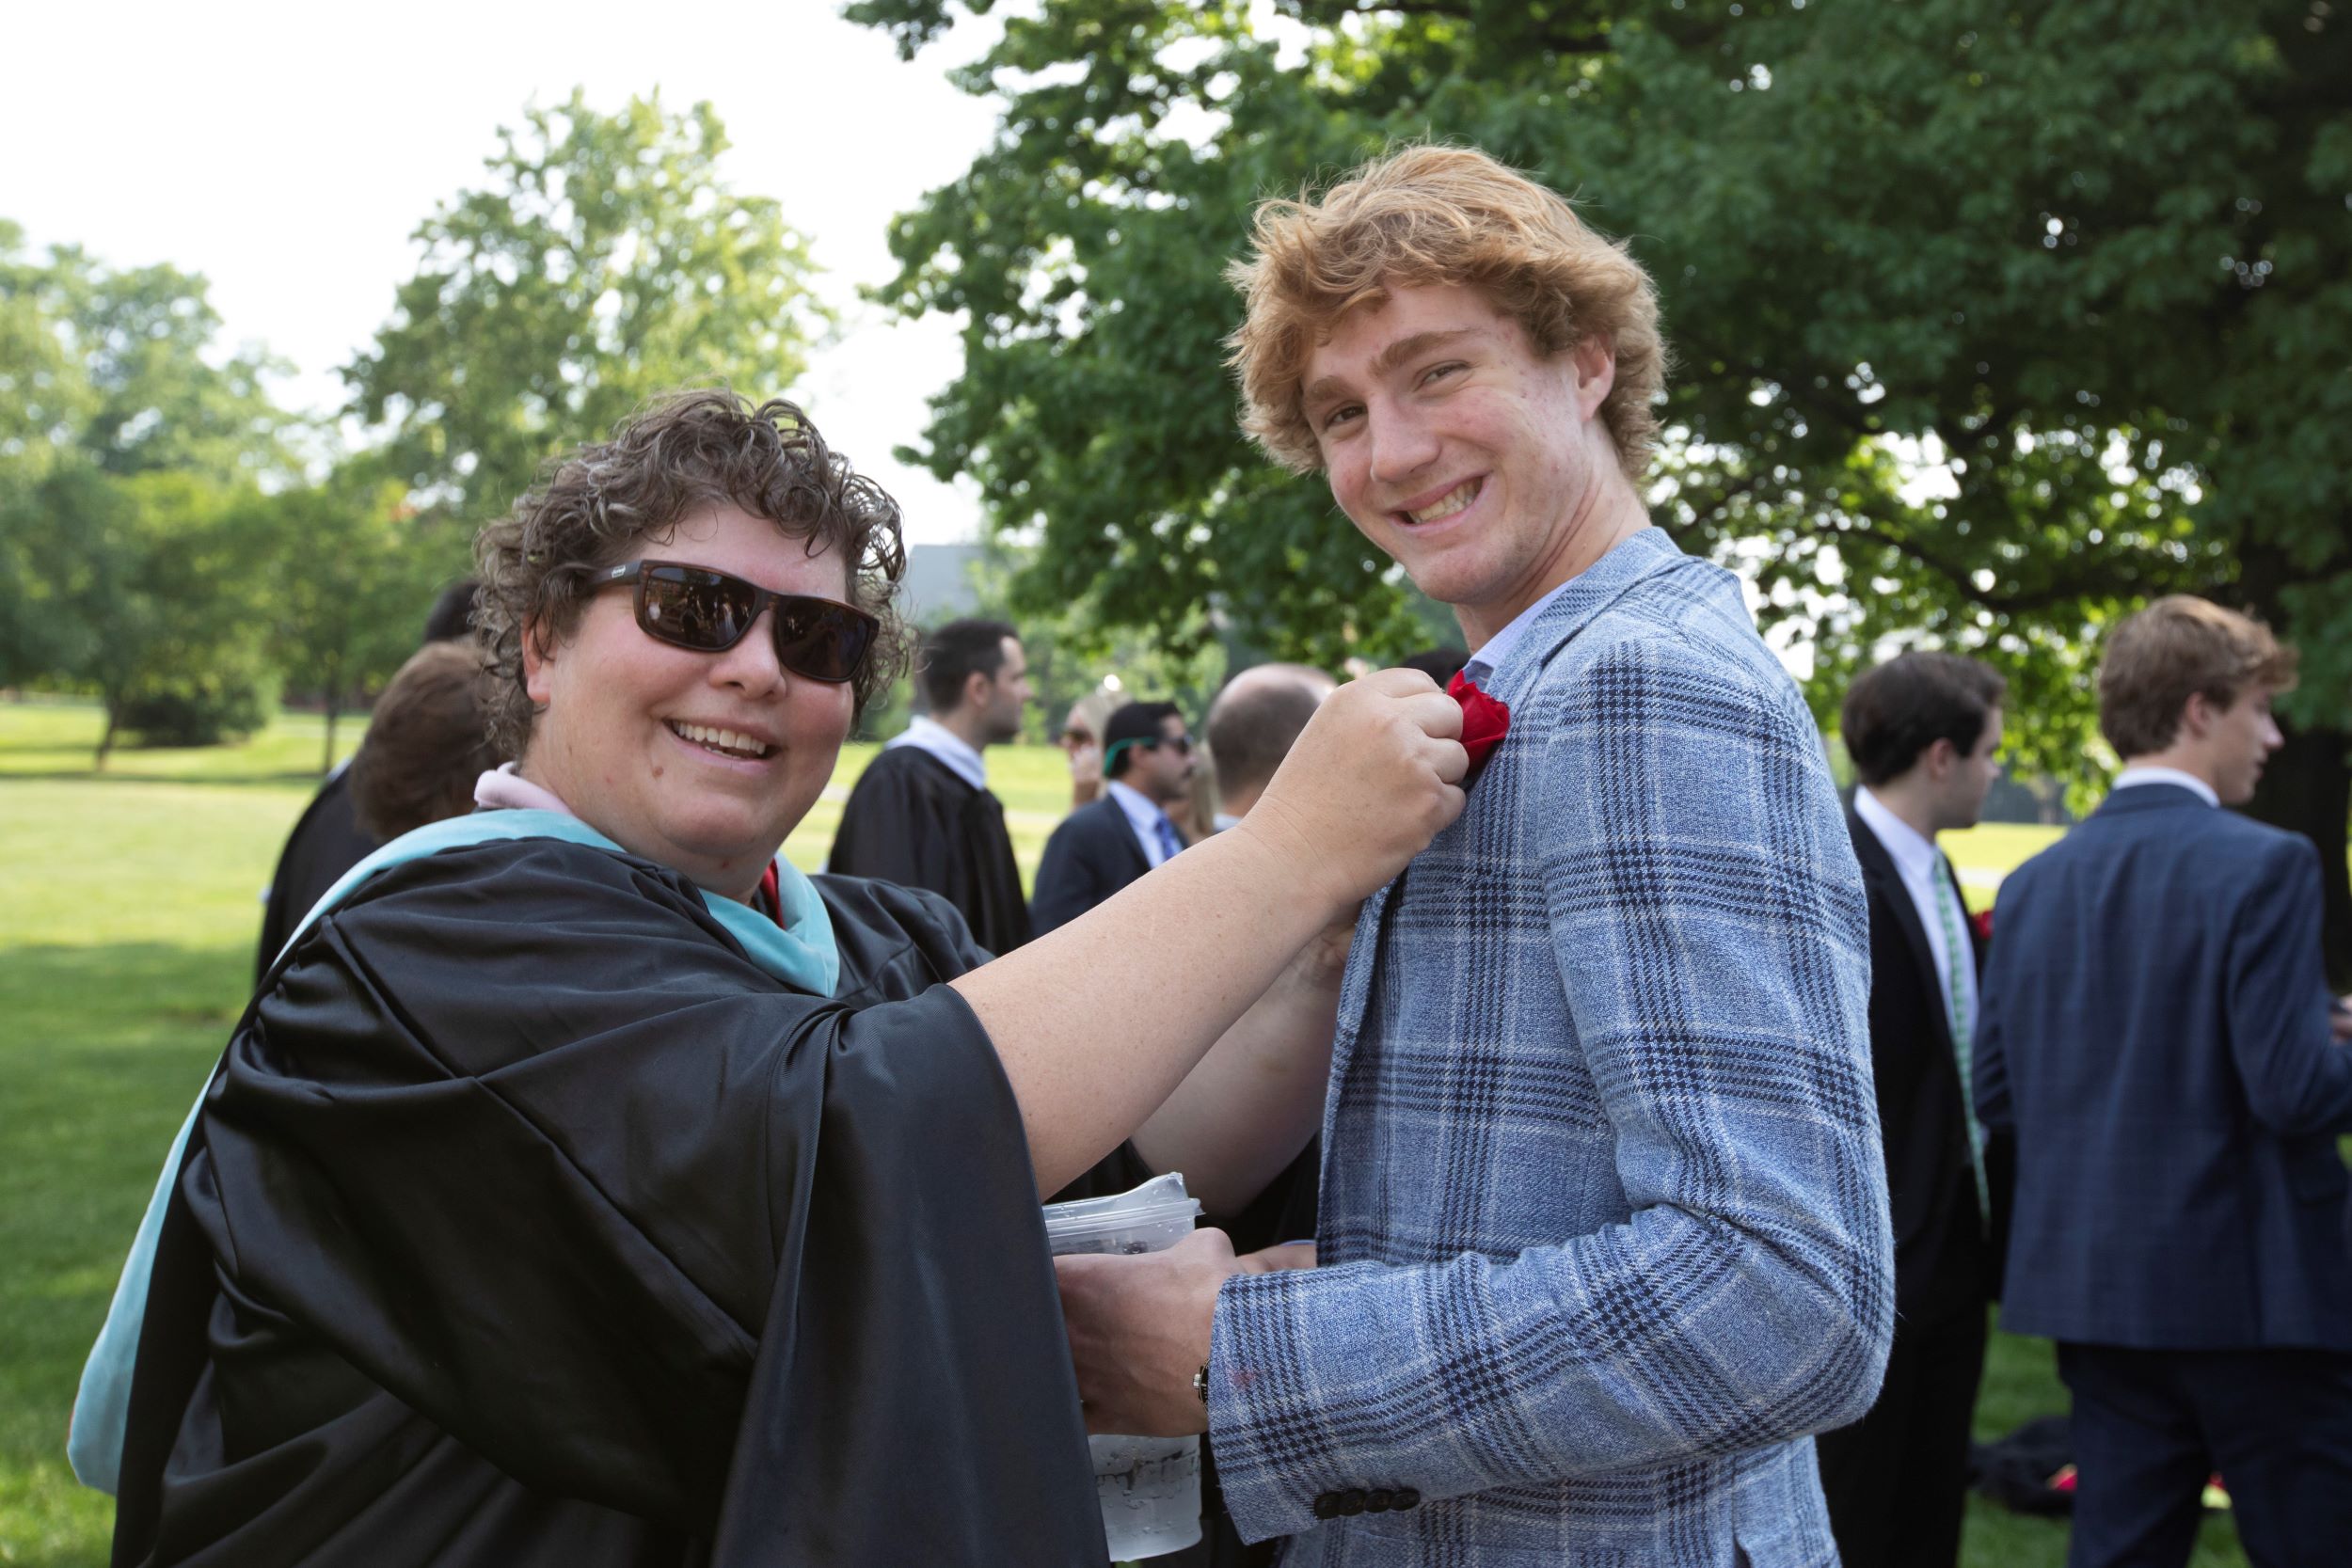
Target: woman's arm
{"points": [[1257, 1097], [1097, 1023]]}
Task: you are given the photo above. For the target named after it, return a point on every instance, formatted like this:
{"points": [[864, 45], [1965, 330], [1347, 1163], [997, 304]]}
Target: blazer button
{"points": [[1327, 1506], [1352, 1501], [1378, 1500], [1404, 1498]]}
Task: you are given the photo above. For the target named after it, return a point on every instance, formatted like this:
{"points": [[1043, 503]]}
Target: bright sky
{"points": [[287, 153]]}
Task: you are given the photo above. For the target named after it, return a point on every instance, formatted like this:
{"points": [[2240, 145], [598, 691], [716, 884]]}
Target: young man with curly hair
{"points": [[1604, 1231]]}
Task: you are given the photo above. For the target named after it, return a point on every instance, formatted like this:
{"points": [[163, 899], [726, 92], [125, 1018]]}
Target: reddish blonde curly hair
{"points": [[1438, 215]]}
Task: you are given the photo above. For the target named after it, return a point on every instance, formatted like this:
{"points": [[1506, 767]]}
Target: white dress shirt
{"points": [[1143, 818], [962, 759], [2190, 782], [1917, 862]]}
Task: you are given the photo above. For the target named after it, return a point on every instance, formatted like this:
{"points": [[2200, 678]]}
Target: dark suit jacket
{"points": [[2155, 1030], [1092, 855], [1945, 1260]]}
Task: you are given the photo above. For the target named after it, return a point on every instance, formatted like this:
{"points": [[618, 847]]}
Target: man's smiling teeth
{"points": [[1452, 501], [724, 741]]}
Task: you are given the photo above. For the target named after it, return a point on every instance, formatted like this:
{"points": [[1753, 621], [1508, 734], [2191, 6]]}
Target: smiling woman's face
{"points": [[701, 762]]}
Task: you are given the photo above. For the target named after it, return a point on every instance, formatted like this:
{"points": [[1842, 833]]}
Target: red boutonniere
{"points": [[1982, 921], [1484, 721]]}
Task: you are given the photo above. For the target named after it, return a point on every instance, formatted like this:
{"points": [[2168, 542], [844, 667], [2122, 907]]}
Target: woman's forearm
{"points": [[1257, 1097], [1099, 1021]]}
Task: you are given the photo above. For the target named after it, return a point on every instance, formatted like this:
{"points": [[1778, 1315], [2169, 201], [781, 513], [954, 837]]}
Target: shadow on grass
{"points": [[106, 1050]]}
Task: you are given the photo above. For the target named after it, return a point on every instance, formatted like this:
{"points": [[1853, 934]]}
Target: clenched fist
{"points": [[1375, 775]]}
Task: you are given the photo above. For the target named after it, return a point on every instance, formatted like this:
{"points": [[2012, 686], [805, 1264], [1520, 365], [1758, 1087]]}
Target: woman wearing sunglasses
{"points": [[585, 1186]]}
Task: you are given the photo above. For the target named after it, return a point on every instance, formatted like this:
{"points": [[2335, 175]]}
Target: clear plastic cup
{"points": [[1149, 1487]]}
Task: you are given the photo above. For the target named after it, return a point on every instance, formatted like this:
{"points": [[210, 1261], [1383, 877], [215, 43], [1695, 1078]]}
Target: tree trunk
{"points": [[2307, 787], [105, 739], [334, 692]]}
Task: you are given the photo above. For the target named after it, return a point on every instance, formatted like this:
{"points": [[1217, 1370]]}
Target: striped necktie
{"points": [[1170, 846]]}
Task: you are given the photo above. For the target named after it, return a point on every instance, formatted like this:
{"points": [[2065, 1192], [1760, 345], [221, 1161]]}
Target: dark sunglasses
{"points": [[692, 606]]}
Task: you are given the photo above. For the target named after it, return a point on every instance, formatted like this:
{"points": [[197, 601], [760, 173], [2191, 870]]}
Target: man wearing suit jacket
{"points": [[1603, 1232], [2158, 1033], [1099, 848], [1921, 730]]}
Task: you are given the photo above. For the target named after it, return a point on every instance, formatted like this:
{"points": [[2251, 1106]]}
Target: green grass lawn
{"points": [[129, 905]]}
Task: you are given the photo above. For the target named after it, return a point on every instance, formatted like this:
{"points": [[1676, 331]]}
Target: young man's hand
{"points": [[1139, 1330]]}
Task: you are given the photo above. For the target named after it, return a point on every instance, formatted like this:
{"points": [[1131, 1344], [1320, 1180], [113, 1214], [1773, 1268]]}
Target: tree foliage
{"points": [[126, 448], [1992, 320], [602, 260], [352, 578]]}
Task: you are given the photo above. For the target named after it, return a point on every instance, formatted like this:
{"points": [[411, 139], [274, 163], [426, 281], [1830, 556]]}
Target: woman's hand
{"points": [[1374, 777]]}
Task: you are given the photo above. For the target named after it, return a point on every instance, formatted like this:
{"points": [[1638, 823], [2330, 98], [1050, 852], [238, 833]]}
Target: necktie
{"points": [[1170, 846], [1956, 953]]}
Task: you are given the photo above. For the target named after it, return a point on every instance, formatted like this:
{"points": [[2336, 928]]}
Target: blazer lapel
{"points": [[1640, 555], [1877, 869]]}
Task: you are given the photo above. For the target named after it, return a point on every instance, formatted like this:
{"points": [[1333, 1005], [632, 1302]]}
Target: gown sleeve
{"points": [[530, 1142]]}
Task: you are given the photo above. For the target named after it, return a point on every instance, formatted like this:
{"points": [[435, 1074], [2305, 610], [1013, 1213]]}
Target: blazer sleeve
{"points": [[2298, 1080], [1704, 911], [1067, 882]]}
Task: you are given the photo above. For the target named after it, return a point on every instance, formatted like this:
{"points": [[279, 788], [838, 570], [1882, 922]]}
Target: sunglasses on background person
{"points": [[692, 606]]}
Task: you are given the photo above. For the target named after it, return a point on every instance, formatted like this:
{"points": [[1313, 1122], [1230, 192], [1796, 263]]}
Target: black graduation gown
{"points": [[910, 819], [528, 1222]]}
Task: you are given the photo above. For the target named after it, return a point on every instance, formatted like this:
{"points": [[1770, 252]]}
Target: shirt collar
{"points": [[962, 759], [1491, 653], [1913, 855], [504, 788], [1138, 807], [2190, 782]]}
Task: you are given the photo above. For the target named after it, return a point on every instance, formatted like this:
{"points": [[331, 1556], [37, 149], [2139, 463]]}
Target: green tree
{"points": [[120, 368], [125, 438], [149, 596], [1992, 320], [602, 262], [351, 578]]}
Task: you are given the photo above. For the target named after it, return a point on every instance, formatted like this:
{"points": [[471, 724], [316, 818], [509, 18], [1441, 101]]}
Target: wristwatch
{"points": [[1201, 1385]]}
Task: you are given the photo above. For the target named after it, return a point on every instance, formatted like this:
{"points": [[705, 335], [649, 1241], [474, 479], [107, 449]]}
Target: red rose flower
{"points": [[1484, 721], [1982, 921]]}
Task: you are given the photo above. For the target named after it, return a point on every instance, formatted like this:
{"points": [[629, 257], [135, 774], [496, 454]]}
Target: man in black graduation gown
{"points": [[921, 814]]}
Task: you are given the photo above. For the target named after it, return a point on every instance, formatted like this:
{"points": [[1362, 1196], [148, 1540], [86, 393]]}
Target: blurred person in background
{"points": [[1099, 848], [922, 814], [428, 740], [328, 840], [1922, 730], [1081, 741], [2158, 1036], [1251, 725]]}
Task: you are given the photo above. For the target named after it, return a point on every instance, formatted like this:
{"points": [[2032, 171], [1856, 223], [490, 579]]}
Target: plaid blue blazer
{"points": [[1604, 1229]]}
